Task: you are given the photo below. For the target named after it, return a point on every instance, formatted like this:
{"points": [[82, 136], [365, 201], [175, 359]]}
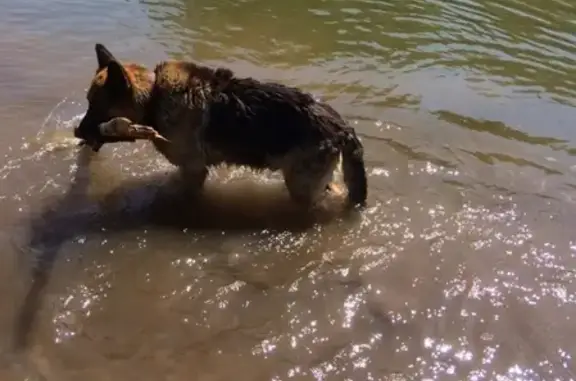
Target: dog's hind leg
{"points": [[309, 175]]}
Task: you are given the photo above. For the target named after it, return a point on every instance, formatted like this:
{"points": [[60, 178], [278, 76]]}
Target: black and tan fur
{"points": [[209, 117]]}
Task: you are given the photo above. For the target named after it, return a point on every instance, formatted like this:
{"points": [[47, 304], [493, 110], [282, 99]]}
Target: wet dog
{"points": [[198, 117]]}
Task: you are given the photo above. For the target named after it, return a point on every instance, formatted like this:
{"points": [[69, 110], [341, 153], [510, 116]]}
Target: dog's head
{"points": [[117, 90]]}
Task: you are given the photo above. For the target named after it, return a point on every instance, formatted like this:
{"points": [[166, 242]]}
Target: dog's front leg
{"points": [[193, 178]]}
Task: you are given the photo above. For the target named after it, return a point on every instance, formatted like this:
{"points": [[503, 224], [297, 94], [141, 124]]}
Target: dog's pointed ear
{"points": [[222, 78], [117, 81], [104, 56]]}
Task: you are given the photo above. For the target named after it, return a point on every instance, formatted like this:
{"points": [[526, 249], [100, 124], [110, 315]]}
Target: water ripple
{"points": [[460, 268]]}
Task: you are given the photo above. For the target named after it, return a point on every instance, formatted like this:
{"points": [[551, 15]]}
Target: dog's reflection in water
{"points": [[239, 204]]}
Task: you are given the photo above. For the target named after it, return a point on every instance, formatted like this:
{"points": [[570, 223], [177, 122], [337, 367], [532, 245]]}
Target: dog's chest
{"points": [[179, 120]]}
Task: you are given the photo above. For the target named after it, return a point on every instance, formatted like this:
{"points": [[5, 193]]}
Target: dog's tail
{"points": [[354, 169]]}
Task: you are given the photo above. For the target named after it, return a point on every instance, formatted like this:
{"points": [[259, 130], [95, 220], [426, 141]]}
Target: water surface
{"points": [[461, 268]]}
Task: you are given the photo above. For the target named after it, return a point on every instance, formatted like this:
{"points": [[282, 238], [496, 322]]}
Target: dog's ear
{"points": [[221, 78], [223, 75], [117, 81], [104, 56]]}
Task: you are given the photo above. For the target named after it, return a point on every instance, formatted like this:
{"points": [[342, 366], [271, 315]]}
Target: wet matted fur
{"points": [[207, 116]]}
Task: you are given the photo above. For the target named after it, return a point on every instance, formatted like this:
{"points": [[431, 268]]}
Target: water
{"points": [[460, 269]]}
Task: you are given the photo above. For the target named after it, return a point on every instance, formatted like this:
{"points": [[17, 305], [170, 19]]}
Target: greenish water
{"points": [[461, 268], [511, 62]]}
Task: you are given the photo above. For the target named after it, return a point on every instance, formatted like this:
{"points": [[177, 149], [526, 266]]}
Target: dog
{"points": [[197, 117]]}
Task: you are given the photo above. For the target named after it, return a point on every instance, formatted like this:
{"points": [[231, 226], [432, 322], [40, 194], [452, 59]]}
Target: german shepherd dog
{"points": [[198, 117]]}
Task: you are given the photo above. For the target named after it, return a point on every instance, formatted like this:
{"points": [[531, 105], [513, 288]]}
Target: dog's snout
{"points": [[77, 133]]}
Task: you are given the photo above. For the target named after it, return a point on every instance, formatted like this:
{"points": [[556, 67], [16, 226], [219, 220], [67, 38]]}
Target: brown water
{"points": [[462, 267]]}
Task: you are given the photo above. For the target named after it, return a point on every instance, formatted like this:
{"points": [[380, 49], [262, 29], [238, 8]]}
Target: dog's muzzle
{"points": [[94, 143], [77, 133]]}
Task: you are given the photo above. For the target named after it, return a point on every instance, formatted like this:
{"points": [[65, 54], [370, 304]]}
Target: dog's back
{"points": [[256, 124]]}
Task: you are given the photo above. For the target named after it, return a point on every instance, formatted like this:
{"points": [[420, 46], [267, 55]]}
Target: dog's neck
{"points": [[203, 94]]}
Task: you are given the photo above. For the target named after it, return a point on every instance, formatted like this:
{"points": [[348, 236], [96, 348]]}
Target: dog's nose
{"points": [[77, 133]]}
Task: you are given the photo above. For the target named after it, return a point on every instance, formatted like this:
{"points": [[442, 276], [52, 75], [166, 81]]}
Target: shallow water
{"points": [[461, 268]]}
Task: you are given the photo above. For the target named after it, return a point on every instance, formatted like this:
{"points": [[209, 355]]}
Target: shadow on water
{"points": [[235, 207], [48, 232]]}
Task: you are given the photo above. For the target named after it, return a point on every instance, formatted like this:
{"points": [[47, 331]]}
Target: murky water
{"points": [[460, 269]]}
